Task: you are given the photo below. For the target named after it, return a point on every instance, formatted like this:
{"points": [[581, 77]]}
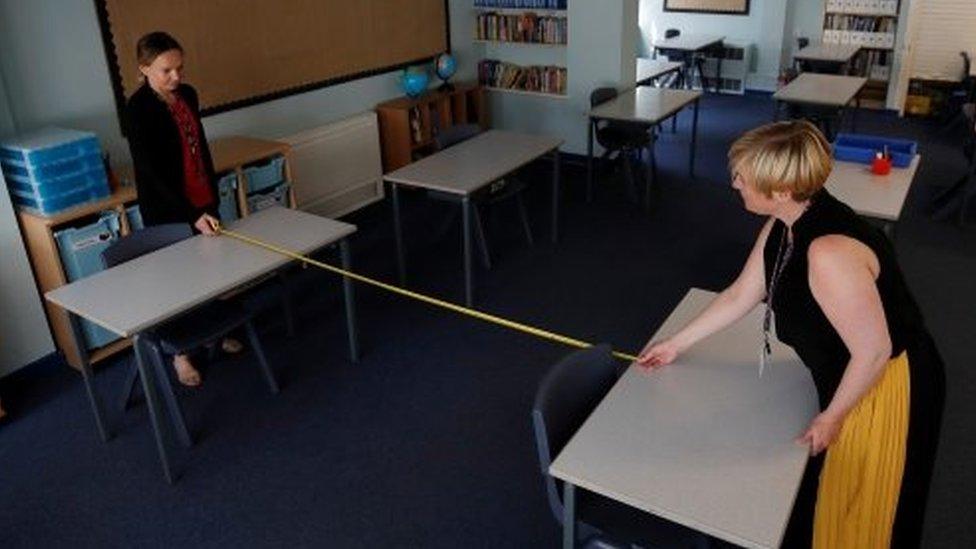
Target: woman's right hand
{"points": [[207, 224], [658, 353]]}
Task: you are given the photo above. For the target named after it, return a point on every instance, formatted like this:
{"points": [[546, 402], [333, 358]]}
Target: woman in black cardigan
{"points": [[174, 172]]}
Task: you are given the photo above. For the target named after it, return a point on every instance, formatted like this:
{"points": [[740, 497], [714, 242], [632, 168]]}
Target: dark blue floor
{"points": [[427, 441]]}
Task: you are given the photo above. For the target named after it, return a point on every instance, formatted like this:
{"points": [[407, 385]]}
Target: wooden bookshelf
{"points": [[530, 93], [408, 125]]}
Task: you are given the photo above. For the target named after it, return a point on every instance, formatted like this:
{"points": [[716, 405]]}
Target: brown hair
{"points": [[152, 45], [791, 157]]}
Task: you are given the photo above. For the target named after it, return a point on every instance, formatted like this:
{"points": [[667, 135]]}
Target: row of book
{"points": [[875, 65], [522, 28], [541, 79], [522, 4], [858, 23]]}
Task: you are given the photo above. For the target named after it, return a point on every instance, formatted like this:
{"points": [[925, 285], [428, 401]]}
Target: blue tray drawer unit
{"points": [[134, 215], [53, 169], [227, 191], [277, 196], [852, 147], [264, 176], [80, 249]]}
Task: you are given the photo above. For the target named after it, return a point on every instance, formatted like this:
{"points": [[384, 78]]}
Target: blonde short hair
{"points": [[790, 156]]}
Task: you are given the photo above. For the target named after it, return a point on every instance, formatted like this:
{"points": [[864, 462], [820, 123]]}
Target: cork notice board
{"points": [[241, 52], [730, 7]]}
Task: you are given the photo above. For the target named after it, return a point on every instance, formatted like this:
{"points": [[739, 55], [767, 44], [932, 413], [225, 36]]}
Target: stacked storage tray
{"points": [[263, 176], [80, 249], [227, 190], [53, 169], [277, 196]]}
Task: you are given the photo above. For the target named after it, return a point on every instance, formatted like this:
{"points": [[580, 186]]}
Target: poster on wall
{"points": [[728, 7]]}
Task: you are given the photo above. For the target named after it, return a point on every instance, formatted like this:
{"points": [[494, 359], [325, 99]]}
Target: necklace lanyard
{"points": [[782, 258]]}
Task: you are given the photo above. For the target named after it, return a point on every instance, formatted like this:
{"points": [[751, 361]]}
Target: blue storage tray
{"points": [[49, 145], [48, 206], [851, 147], [52, 187], [277, 196], [81, 249], [134, 215], [263, 176], [227, 191]]}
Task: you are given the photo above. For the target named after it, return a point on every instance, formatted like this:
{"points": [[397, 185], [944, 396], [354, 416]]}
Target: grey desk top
{"points": [[878, 196], [150, 289], [821, 89], [840, 53], [652, 68], [468, 166], [688, 42], [650, 105], [705, 441]]}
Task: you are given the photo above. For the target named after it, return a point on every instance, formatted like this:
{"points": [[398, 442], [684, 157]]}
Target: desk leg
{"points": [[718, 74], [857, 107], [569, 516], [466, 244], [650, 177], [348, 291], [694, 141], [776, 107], [153, 402], [589, 159], [555, 196], [88, 375], [398, 234]]}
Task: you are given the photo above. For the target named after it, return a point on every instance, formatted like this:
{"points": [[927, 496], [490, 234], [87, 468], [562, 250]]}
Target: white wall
{"points": [[763, 28], [53, 72]]}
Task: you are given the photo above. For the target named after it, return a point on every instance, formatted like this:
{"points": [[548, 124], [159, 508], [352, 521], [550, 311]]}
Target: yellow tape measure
{"points": [[473, 313]]}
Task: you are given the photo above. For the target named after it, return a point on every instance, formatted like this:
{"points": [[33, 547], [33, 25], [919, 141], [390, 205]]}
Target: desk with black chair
{"points": [[703, 442], [646, 107], [133, 297], [467, 170], [822, 96], [690, 47]]}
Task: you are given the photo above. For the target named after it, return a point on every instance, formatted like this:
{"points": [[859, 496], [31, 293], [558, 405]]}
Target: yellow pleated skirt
{"points": [[861, 477]]}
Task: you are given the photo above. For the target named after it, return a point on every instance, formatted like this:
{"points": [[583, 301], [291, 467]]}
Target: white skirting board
{"points": [[337, 168]]}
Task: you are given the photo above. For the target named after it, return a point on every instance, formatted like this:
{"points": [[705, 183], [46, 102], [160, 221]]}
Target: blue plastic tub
{"points": [[48, 206], [38, 175], [264, 176], [852, 147], [277, 196], [52, 187], [227, 191], [81, 249], [47, 146]]}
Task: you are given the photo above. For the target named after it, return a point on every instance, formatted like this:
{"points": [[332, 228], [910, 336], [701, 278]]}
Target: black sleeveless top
{"points": [[801, 324]]}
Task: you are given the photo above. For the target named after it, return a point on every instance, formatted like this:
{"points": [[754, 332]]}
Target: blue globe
{"points": [[445, 66], [414, 82]]}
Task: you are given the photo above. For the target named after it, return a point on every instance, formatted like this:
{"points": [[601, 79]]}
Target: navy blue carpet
{"points": [[427, 441]]}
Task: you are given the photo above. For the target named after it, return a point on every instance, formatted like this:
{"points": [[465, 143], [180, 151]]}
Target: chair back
{"points": [[671, 33], [455, 134], [602, 95], [802, 42], [144, 241], [565, 398]]}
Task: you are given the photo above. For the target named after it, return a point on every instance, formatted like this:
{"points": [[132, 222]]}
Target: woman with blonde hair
{"points": [[841, 301]]}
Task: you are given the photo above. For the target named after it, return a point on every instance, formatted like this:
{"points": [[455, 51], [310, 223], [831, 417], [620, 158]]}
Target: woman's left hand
{"points": [[823, 430]]}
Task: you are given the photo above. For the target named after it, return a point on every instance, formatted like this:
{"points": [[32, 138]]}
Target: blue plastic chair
{"points": [[565, 398], [202, 326]]}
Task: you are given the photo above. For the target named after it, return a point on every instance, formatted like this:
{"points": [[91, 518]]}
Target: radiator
{"points": [[337, 168]]}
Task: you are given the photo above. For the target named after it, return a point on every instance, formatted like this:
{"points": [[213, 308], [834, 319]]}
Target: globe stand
{"points": [[445, 87]]}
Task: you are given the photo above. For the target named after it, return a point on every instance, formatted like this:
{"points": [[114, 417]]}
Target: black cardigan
{"points": [[157, 156]]}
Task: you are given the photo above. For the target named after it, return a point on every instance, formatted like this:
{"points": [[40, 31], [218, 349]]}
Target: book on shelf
{"points": [[522, 4], [539, 79], [526, 27]]}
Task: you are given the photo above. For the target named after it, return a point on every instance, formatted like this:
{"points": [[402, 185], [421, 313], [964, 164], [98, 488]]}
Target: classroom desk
{"points": [[834, 54], [649, 70], [649, 106], [133, 297], [690, 44], [830, 92], [878, 196], [704, 442], [466, 170]]}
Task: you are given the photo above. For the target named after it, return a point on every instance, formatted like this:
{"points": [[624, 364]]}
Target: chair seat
{"points": [[201, 326], [620, 136], [631, 525]]}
